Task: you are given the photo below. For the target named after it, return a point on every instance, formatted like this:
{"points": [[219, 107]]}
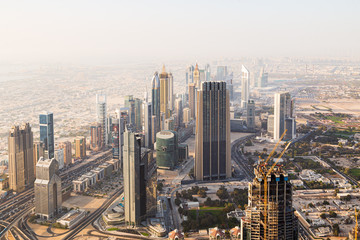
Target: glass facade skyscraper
{"points": [[46, 122]]}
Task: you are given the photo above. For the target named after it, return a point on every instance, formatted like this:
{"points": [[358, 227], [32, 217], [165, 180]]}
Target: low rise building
{"points": [[216, 233], [99, 173], [108, 168], [156, 227], [176, 235], [4, 183], [71, 218], [91, 177], [115, 163], [235, 233], [238, 214], [80, 184]]}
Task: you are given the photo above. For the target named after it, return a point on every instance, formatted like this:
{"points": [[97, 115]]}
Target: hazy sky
{"points": [[76, 31]]}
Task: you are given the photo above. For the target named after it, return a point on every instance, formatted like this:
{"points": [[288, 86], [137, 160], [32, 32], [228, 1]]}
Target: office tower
{"points": [[96, 141], [245, 86], [148, 165], [212, 147], [21, 158], [263, 80], [67, 152], [115, 138], [108, 129], [147, 124], [189, 77], [290, 126], [250, 115], [46, 121], [48, 196], [196, 76], [282, 110], [59, 156], [155, 101], [101, 116], [138, 114], [129, 103], [38, 151], [80, 147], [154, 121], [186, 115], [221, 73], [273, 218], [192, 99], [169, 123], [132, 177], [270, 125], [121, 117], [207, 73], [179, 112], [166, 149], [171, 92], [164, 92]]}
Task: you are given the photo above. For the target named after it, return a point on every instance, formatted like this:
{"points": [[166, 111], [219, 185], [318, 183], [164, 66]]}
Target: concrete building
{"points": [[71, 218], [48, 196], [96, 135], [270, 125], [196, 74], [171, 93], [274, 218], [99, 173], [250, 115], [221, 73], [186, 115], [169, 123], [21, 157], [46, 123], [179, 112], [80, 147], [101, 114], [155, 102], [245, 86], [147, 129], [108, 168], [38, 151], [212, 147], [166, 149], [59, 156], [66, 146], [283, 109], [80, 184], [263, 79]]}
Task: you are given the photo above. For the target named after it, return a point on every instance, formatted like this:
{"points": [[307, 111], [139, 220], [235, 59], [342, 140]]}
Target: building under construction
{"points": [[270, 214]]}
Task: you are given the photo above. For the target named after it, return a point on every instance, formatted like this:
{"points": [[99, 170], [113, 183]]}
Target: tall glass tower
{"points": [[101, 116], [46, 122]]}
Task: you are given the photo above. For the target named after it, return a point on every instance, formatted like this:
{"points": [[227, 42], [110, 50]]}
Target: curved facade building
{"points": [[166, 149]]}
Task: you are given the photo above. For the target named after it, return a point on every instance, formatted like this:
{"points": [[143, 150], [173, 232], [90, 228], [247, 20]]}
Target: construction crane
{"points": [[356, 223], [265, 172]]}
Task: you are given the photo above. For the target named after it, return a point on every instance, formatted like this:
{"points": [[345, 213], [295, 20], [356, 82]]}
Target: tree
{"points": [[323, 215], [332, 214], [160, 186], [202, 193], [177, 201], [336, 229], [222, 193]]}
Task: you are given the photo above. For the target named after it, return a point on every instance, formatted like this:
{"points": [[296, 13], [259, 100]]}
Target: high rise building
{"points": [[192, 99], [179, 112], [38, 151], [138, 114], [245, 86], [212, 147], [270, 125], [270, 215], [48, 196], [263, 79], [147, 124], [115, 138], [282, 110], [186, 115], [96, 135], [221, 73], [80, 147], [130, 104], [171, 92], [46, 121], [101, 115], [133, 185], [250, 115], [207, 73], [67, 151], [169, 123], [196, 76], [59, 156], [21, 158], [164, 92], [155, 101], [166, 149], [189, 77]]}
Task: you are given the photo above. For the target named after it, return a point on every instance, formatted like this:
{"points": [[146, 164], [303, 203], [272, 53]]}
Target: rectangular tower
{"points": [[212, 149], [282, 111], [250, 115], [192, 97], [67, 151], [101, 116], [46, 121], [245, 86]]}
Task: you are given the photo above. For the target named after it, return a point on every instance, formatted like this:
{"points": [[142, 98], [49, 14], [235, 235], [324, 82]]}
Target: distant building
{"points": [[192, 99], [67, 151], [186, 115], [270, 125], [46, 122], [164, 92], [71, 218], [59, 156], [101, 114], [171, 92], [263, 80], [166, 149], [155, 103], [196, 75], [80, 147], [212, 147], [96, 135], [221, 73], [245, 86], [283, 109], [178, 112], [169, 124], [250, 115], [38, 151], [147, 124], [21, 158], [48, 196]]}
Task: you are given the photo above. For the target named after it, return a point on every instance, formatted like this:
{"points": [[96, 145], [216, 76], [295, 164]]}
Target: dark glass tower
{"points": [[212, 152], [46, 121]]}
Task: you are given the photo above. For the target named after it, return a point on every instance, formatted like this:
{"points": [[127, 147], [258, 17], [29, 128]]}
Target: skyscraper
{"points": [[164, 92], [67, 151], [263, 80], [245, 86], [96, 140], [132, 177], [147, 124], [192, 99], [196, 76], [138, 114], [178, 112], [80, 147], [171, 92], [207, 73], [155, 100], [101, 116], [212, 149], [38, 151], [250, 115], [48, 197], [46, 121], [221, 73], [273, 219], [21, 162], [282, 110]]}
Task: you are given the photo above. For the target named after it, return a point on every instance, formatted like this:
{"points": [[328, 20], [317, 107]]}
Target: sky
{"points": [[115, 30]]}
